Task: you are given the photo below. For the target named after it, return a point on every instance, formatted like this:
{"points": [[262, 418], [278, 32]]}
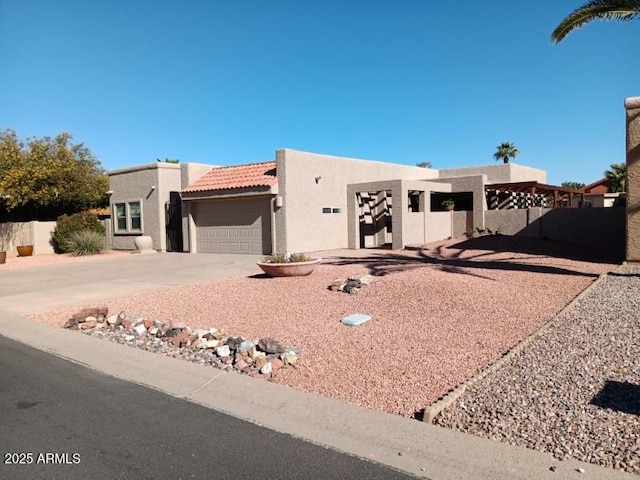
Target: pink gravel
{"points": [[439, 315], [13, 263]]}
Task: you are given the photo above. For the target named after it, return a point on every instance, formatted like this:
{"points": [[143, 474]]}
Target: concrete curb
{"points": [[444, 402]]}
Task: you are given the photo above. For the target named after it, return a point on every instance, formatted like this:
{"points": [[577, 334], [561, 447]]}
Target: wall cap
{"points": [[632, 102]]}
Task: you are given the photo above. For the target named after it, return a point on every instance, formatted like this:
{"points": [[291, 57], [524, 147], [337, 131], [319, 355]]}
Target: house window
{"points": [[128, 217], [121, 217], [134, 214], [331, 210], [416, 201]]}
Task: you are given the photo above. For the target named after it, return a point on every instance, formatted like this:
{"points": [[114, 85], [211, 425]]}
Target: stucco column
{"points": [[632, 106], [398, 214]]}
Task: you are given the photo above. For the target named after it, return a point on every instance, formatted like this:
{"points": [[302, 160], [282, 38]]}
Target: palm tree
{"points": [[617, 177], [424, 165], [505, 151], [623, 10]]}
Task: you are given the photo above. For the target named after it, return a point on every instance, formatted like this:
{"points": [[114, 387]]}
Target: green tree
{"points": [[43, 178], [574, 185], [623, 10], [424, 165], [616, 177], [505, 151]]}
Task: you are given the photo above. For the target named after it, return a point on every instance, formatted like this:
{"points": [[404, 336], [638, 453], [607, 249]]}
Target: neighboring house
{"points": [[597, 194], [301, 202], [145, 200]]}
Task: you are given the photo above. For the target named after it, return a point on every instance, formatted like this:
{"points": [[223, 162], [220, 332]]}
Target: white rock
{"points": [[213, 343], [289, 358], [223, 351], [201, 332], [266, 368], [139, 329], [355, 319]]}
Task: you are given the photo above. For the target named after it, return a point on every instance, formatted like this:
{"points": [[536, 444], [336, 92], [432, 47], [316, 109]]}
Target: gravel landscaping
{"points": [[439, 315], [13, 263], [575, 390]]}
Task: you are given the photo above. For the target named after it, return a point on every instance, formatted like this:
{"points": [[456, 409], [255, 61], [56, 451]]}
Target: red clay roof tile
{"points": [[237, 176]]}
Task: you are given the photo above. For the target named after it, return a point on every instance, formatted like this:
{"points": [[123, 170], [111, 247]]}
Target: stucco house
{"points": [[301, 202], [597, 195]]}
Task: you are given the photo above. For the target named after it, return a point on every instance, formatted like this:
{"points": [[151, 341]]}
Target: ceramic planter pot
{"points": [[290, 269], [144, 244], [25, 250], [449, 207]]}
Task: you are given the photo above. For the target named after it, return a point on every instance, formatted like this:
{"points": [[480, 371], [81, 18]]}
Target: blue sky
{"points": [[405, 81]]}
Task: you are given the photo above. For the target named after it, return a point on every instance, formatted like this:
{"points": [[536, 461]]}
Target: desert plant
{"points": [[68, 225], [286, 258], [87, 242], [448, 203], [505, 151]]}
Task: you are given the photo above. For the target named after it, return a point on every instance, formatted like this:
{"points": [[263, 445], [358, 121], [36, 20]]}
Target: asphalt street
{"points": [[61, 420]]}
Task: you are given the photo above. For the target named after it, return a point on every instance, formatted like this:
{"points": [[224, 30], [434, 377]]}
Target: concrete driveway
{"points": [[37, 289]]}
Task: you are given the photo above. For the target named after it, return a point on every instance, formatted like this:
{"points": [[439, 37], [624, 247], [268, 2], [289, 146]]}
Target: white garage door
{"points": [[233, 226]]}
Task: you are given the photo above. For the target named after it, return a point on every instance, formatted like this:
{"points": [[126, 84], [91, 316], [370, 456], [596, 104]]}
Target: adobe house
{"points": [[301, 202]]}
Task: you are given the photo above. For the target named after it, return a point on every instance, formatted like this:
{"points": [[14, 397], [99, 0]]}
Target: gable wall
{"points": [[300, 224]]}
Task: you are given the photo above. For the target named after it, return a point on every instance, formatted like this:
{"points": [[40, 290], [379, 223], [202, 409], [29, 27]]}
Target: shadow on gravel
{"points": [[618, 274], [259, 276], [448, 258], [620, 396]]}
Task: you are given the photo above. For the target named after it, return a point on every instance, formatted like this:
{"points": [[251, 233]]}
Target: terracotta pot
{"points": [[3, 257], [290, 269], [25, 250], [449, 208]]}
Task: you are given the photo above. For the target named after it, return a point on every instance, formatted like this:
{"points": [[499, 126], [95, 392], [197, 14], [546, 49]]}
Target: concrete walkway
{"points": [[417, 448]]}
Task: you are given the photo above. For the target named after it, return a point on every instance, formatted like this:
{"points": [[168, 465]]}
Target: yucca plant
{"points": [[87, 242]]}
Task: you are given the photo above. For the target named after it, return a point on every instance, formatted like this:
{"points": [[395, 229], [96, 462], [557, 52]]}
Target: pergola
{"points": [[533, 190]]}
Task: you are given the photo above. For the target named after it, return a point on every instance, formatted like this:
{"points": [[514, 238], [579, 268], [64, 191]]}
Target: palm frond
{"points": [[623, 10]]}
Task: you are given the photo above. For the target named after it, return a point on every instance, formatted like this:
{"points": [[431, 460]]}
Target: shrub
{"points": [[286, 258], [87, 242], [68, 225]]}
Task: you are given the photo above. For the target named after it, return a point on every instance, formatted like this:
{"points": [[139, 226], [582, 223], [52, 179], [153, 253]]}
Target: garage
{"points": [[233, 225]]}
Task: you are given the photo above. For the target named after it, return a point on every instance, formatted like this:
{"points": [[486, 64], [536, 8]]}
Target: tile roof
{"points": [[602, 181], [237, 176]]}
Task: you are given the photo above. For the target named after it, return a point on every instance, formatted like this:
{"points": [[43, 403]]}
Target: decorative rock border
{"points": [[433, 410], [176, 339]]}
